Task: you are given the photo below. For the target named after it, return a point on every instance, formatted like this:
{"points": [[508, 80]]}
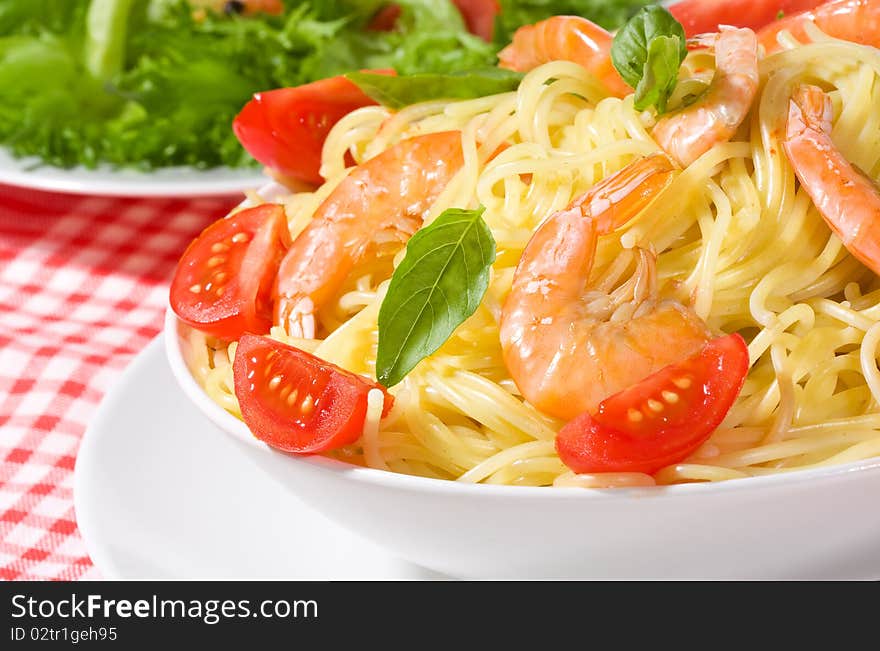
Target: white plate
{"points": [[106, 181], [161, 494]]}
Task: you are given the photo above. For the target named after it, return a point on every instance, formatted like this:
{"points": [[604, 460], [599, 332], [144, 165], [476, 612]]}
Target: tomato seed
{"points": [[219, 247], [682, 382], [238, 238], [274, 382], [655, 405], [216, 261], [195, 289], [634, 415], [669, 396], [307, 406]]}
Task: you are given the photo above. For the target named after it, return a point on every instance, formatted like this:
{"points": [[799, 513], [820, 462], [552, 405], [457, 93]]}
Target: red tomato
{"points": [[297, 402], [479, 16], [223, 282], [662, 419], [285, 129], [385, 18], [700, 16]]}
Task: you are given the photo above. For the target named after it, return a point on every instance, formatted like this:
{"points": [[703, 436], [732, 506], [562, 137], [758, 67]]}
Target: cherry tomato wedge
{"points": [[223, 282], [662, 419], [297, 402], [701, 16], [285, 129]]}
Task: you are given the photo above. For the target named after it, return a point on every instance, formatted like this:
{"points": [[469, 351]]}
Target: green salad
{"points": [[155, 83]]}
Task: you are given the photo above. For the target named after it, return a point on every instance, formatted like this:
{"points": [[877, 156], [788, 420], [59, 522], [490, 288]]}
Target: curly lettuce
{"points": [[142, 83]]}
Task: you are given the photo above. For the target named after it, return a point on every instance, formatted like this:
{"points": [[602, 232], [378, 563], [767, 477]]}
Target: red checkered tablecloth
{"points": [[83, 285]]}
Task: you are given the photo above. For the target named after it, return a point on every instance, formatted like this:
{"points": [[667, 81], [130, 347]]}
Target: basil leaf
{"points": [[647, 52], [404, 90], [438, 285], [661, 74]]}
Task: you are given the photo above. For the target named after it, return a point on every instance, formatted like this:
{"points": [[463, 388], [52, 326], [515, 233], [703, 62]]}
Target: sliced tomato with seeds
{"points": [[223, 282], [297, 402], [662, 419]]}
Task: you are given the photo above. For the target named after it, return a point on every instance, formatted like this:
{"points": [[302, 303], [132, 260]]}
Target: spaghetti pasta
{"points": [[735, 238]]}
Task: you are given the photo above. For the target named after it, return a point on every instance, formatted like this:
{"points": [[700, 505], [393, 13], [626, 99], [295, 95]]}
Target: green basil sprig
{"points": [[436, 287], [648, 52], [404, 90]]}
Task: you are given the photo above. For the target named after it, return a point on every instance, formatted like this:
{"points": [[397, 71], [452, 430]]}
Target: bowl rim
{"points": [[392, 480]]}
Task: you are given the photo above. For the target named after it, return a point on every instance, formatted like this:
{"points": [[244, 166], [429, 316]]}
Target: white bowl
{"points": [[783, 526], [794, 525]]}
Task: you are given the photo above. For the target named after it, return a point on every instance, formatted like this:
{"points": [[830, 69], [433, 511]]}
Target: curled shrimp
{"points": [[567, 38], [850, 20], [847, 199], [382, 202], [690, 132], [569, 345]]}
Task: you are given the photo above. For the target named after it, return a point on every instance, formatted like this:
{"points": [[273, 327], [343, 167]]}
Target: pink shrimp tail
{"points": [[848, 201]]}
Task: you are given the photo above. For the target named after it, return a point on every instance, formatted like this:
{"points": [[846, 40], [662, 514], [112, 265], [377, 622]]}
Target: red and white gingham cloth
{"points": [[83, 286]]}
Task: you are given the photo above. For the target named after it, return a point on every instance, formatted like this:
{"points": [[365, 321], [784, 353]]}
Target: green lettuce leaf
{"points": [[154, 87], [75, 92]]}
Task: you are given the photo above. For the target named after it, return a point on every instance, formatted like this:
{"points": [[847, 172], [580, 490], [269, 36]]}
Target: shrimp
{"points": [[382, 202], [850, 20], [848, 200], [690, 132], [569, 38], [569, 345]]}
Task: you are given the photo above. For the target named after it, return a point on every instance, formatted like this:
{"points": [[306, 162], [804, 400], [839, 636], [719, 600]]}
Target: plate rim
{"points": [[105, 181]]}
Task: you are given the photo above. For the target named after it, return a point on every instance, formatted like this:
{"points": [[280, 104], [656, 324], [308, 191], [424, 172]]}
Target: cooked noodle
{"points": [[734, 238]]}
